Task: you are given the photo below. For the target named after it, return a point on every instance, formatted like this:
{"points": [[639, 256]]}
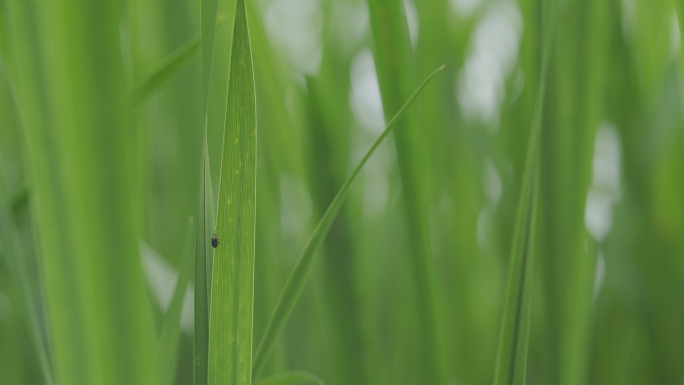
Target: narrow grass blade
{"points": [[205, 225], [512, 353], [291, 378], [205, 210], [163, 71], [232, 290], [207, 29], [395, 63], [297, 279], [511, 357], [14, 257], [164, 372]]}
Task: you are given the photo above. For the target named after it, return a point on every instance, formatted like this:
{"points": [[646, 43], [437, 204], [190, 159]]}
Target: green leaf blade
{"points": [[88, 235], [205, 226], [232, 290], [511, 360], [205, 210], [208, 29]]}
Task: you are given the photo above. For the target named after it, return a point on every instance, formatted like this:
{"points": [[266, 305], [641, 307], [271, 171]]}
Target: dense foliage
{"points": [[522, 223]]}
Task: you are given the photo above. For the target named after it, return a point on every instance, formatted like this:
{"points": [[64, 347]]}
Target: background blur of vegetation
{"points": [[395, 297]]}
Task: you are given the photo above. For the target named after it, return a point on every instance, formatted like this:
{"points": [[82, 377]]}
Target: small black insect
{"points": [[214, 241]]}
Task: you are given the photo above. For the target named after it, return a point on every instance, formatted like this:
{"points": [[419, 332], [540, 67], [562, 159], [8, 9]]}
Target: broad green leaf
{"points": [[78, 145], [295, 282], [232, 281], [165, 364], [511, 360], [575, 112], [291, 378]]}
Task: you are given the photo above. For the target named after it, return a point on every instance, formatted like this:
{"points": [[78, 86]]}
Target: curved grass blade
{"points": [[13, 254], [297, 279], [164, 371], [511, 357], [163, 71], [180, 56], [232, 282], [292, 378]]}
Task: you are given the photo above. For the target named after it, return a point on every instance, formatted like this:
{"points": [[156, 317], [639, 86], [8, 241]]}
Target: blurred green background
{"points": [[410, 283]]}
